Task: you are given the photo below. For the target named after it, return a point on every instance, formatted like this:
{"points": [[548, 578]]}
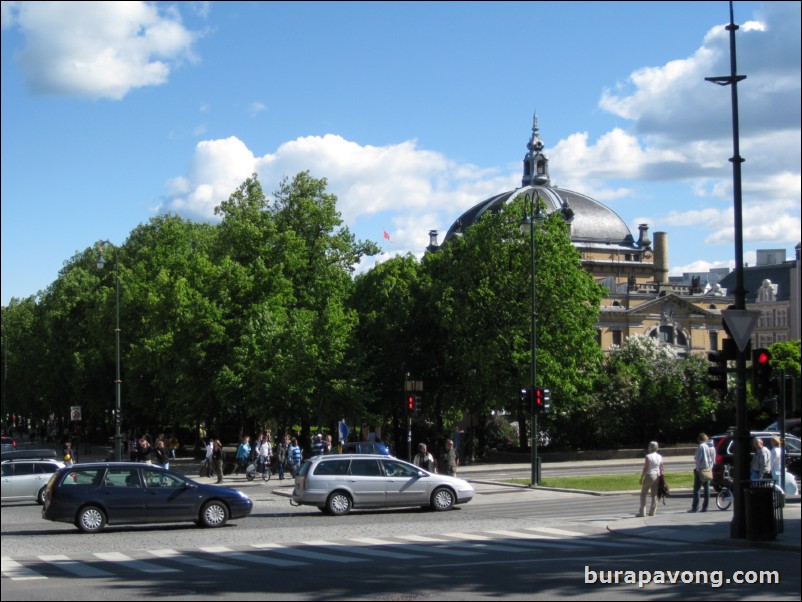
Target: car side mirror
{"points": [[188, 485], [422, 474]]}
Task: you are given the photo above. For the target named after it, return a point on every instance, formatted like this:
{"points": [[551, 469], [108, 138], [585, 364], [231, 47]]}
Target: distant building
{"points": [[772, 287], [641, 299]]}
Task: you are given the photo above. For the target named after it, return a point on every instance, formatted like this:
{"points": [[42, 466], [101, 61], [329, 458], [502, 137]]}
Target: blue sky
{"points": [[115, 112]]}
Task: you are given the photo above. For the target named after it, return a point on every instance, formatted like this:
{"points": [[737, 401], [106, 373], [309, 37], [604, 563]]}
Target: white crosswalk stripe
{"points": [[366, 550], [252, 557], [15, 571], [306, 554], [80, 569], [200, 563], [533, 540], [128, 562]]}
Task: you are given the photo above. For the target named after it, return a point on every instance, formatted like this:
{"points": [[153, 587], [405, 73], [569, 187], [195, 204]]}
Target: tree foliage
{"points": [[259, 319]]}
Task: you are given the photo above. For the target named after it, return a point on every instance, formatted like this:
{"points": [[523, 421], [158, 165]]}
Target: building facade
{"points": [[640, 299]]}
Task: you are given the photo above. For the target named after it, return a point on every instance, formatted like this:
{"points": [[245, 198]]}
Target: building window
{"points": [[617, 338], [713, 340]]}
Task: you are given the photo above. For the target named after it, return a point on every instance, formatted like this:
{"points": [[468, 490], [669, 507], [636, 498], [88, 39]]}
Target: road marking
{"points": [[303, 553], [414, 548], [252, 557], [73, 566], [552, 531], [176, 556], [139, 565], [16, 572], [368, 551], [517, 535]]}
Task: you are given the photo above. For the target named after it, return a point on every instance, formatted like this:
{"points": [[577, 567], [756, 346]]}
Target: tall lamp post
{"points": [[533, 218], [742, 438], [118, 439]]}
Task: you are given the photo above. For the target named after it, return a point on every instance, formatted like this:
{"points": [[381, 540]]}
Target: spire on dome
{"points": [[536, 165]]}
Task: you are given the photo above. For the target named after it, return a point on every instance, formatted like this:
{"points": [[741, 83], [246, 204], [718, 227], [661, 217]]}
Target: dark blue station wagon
{"points": [[93, 495]]}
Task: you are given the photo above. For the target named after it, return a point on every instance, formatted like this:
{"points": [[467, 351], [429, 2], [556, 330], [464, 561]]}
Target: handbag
{"points": [[662, 489], [706, 474]]}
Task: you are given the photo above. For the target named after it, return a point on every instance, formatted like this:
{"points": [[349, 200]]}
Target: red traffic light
{"points": [[762, 357], [411, 403]]}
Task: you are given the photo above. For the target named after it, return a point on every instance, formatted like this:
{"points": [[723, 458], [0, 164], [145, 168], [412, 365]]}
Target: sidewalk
{"points": [[712, 527]]}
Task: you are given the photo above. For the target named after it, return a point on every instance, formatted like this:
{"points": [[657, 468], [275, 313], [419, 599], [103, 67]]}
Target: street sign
{"points": [[75, 413], [344, 430], [740, 323]]}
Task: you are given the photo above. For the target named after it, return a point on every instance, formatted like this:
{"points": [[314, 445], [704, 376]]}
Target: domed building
{"points": [[640, 298]]}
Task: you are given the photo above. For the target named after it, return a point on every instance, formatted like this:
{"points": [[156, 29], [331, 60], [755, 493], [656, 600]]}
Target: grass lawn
{"points": [[617, 482]]}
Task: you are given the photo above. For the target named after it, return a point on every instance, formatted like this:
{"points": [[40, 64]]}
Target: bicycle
{"points": [[724, 497]]}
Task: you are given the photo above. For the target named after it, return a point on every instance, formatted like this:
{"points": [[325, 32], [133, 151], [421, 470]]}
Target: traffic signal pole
{"points": [[742, 447]]}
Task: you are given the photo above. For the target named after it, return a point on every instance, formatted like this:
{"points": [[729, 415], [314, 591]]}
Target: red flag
{"points": [[386, 235]]}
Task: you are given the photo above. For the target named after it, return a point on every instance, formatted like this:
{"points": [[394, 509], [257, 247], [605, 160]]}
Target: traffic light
{"points": [[526, 397], [761, 373], [717, 370], [411, 404], [541, 400]]}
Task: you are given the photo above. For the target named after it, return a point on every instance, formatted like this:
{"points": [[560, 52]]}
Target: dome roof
{"points": [[590, 221]]}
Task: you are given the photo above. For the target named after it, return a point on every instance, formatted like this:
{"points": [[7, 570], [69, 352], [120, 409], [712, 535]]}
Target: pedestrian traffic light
{"points": [[717, 370], [541, 400], [761, 373], [526, 397]]}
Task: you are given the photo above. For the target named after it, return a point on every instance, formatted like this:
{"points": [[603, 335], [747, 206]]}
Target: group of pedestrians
{"points": [[766, 464], [447, 463]]}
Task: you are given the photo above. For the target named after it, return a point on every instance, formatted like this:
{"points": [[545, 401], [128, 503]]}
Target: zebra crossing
{"points": [[455, 546]]}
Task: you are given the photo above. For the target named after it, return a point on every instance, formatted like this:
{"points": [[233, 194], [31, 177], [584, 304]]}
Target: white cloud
{"points": [[97, 49]]}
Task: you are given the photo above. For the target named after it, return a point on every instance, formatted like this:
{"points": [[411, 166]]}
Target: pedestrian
{"points": [[282, 450], [650, 479], [449, 460], [776, 458], [761, 462], [145, 451], [703, 461], [69, 454], [162, 454], [209, 459], [174, 445], [424, 459], [243, 454], [294, 457], [265, 451], [218, 455], [318, 447]]}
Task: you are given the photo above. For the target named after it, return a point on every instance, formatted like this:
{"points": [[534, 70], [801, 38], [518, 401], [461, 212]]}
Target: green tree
{"points": [[481, 293]]}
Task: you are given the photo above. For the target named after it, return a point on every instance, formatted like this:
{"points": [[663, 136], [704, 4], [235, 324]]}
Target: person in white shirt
{"points": [[649, 479], [776, 458]]}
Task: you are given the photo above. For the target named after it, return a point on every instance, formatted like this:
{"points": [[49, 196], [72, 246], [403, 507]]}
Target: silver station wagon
{"points": [[337, 483]]}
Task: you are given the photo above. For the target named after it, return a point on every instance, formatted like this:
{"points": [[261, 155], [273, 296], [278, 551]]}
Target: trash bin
{"points": [[761, 520]]}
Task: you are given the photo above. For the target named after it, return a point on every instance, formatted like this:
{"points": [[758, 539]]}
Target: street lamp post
{"points": [[533, 208], [118, 439]]}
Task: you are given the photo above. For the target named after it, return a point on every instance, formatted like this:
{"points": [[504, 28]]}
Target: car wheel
{"points": [[40, 497], [214, 514], [338, 503], [442, 499], [91, 519]]}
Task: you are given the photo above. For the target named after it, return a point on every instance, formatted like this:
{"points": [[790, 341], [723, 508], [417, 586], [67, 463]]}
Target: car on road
{"points": [[93, 495], [725, 453], [338, 483], [793, 426], [8, 444], [366, 447], [26, 479]]}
